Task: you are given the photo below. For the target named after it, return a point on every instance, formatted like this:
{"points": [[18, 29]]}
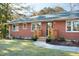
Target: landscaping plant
{"points": [[34, 38], [61, 39], [48, 39]]}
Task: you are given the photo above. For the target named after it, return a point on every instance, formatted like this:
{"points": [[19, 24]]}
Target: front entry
{"points": [[48, 26], [42, 29]]}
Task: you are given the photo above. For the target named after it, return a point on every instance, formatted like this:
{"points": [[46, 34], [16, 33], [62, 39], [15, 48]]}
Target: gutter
{"points": [[59, 19]]}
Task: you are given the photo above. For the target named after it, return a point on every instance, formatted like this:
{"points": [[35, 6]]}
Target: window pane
{"points": [[33, 26], [49, 24], [68, 26], [76, 26], [39, 25]]}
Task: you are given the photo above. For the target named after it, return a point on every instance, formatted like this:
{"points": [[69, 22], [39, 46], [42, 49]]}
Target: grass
{"points": [[26, 48]]}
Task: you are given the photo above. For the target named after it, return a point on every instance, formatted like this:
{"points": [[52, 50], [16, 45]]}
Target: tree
{"points": [[22, 10], [5, 14], [73, 7], [9, 11], [49, 10], [46, 10], [34, 13], [58, 9]]}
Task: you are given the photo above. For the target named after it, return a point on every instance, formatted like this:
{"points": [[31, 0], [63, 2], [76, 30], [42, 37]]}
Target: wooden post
{"points": [[9, 32], [54, 33]]}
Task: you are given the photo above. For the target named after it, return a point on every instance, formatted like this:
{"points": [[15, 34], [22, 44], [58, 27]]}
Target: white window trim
{"points": [[15, 29], [40, 24], [49, 24], [31, 27], [71, 26], [35, 26]]}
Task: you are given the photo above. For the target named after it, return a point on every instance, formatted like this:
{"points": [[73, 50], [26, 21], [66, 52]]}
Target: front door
{"points": [[48, 25]]}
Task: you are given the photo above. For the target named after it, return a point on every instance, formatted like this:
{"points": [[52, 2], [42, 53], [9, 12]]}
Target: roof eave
{"points": [[57, 19]]}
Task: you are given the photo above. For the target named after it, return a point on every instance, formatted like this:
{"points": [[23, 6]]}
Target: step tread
{"points": [[42, 39]]}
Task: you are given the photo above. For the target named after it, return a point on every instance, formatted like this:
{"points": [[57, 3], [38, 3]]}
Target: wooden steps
{"points": [[42, 39]]}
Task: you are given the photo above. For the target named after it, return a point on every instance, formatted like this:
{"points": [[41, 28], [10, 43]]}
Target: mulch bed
{"points": [[65, 43]]}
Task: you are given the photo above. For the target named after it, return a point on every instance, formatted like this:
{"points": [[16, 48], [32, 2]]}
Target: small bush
{"points": [[62, 39], [34, 38], [48, 39], [4, 31], [73, 41]]}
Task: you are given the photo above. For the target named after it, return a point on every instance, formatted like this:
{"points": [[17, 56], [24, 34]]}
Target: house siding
{"points": [[58, 25], [61, 27], [28, 31], [22, 32], [44, 28]]}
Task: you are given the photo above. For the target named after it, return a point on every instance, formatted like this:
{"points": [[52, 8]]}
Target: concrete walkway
{"points": [[64, 48]]}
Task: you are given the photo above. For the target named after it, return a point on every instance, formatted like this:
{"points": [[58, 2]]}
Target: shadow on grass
{"points": [[26, 48]]}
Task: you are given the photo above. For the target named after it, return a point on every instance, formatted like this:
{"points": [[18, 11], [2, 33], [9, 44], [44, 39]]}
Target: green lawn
{"points": [[26, 48]]}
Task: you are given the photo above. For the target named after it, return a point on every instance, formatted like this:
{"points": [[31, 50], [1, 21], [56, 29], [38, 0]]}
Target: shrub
{"points": [[48, 39], [61, 39], [34, 38], [4, 31]]}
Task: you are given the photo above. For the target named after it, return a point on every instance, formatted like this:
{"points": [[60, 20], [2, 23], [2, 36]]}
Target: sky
{"points": [[39, 6], [42, 5]]}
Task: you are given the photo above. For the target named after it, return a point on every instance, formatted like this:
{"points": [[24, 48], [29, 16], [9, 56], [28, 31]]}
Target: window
{"points": [[36, 26], [33, 26], [76, 26], [68, 26], [72, 26], [39, 25], [49, 24], [15, 27]]}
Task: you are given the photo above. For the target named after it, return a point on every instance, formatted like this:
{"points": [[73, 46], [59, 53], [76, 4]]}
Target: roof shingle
{"points": [[47, 17]]}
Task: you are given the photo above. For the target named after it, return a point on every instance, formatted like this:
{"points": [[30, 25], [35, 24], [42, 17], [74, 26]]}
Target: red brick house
{"points": [[65, 23]]}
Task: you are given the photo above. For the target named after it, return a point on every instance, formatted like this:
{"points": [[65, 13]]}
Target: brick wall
{"points": [[22, 32], [61, 27]]}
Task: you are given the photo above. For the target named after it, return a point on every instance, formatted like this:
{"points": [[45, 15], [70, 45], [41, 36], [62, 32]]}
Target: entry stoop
{"points": [[42, 39]]}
